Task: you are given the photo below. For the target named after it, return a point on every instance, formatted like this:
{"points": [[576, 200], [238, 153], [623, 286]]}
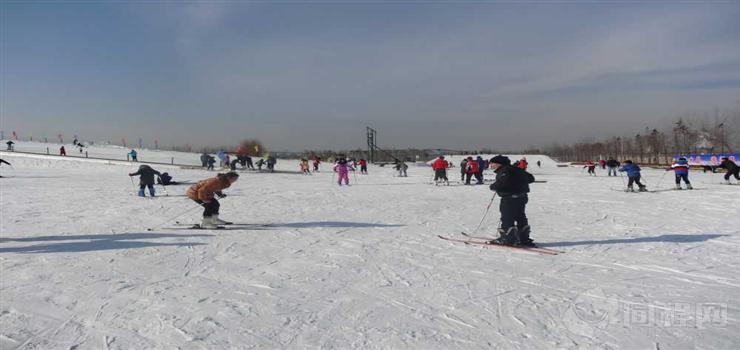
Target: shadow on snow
{"points": [[331, 224], [661, 238], [95, 242]]}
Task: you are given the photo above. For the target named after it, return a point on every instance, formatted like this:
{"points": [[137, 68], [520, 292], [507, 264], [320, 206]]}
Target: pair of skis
{"points": [[485, 241], [225, 226]]}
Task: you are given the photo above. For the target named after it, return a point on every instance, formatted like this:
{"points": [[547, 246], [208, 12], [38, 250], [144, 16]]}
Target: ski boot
{"points": [[678, 187], [218, 221], [151, 191], [643, 189], [524, 239], [208, 222], [629, 189], [689, 187], [141, 193], [508, 237]]}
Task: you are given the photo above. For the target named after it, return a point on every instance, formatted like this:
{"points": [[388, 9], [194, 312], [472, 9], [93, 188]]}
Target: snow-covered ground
{"points": [[107, 151], [361, 266]]}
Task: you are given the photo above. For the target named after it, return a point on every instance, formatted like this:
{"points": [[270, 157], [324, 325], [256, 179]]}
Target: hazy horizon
{"points": [[313, 75]]}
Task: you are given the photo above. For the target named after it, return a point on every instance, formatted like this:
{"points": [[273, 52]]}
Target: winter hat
{"points": [[499, 159]]}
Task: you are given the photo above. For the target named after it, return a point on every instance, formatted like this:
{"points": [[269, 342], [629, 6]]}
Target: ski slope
{"points": [[361, 266]]}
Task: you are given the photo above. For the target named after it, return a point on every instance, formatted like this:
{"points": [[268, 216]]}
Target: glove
{"points": [[492, 187]]}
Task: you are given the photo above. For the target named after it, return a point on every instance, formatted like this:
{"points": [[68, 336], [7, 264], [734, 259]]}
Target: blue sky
{"points": [[313, 74]]}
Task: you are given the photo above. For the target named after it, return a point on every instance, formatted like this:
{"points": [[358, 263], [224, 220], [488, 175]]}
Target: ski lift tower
{"points": [[372, 145]]}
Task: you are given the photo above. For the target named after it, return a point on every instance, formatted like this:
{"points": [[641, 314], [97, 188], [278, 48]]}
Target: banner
{"points": [[156, 144], [123, 142], [61, 140], [140, 143], [707, 159], [15, 136]]}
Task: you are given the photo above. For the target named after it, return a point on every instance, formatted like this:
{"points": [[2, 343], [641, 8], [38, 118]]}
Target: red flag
{"points": [[123, 141]]}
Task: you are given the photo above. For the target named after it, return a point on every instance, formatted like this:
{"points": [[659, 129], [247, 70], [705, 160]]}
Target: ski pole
{"points": [[132, 183], [174, 217], [661, 180], [488, 208]]}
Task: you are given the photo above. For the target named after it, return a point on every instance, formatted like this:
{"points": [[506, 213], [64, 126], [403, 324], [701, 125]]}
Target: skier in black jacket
{"points": [[613, 165], [732, 169], [146, 179], [512, 185]]}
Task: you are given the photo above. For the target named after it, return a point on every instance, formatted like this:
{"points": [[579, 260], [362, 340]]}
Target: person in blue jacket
{"points": [[681, 169], [481, 167], [633, 174]]}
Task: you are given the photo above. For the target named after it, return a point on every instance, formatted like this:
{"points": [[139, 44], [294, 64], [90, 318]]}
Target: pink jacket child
{"points": [[342, 169]]}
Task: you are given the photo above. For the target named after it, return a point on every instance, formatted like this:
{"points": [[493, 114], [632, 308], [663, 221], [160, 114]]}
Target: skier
{"points": [[260, 163], [401, 167], [463, 169], [602, 164], [74, 142], [222, 158], [591, 168], [633, 173], [166, 180], [203, 193], [539, 164], [146, 179], [481, 167], [232, 165], [304, 166], [316, 163], [363, 166], [10, 145], [133, 155], [249, 162], [211, 162], [271, 161], [342, 169], [732, 169], [440, 170], [204, 160], [681, 169], [62, 151], [512, 186], [471, 168], [612, 164]]}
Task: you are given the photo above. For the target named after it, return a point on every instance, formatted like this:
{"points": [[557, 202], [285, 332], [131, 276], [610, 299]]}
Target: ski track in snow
{"points": [[360, 266]]}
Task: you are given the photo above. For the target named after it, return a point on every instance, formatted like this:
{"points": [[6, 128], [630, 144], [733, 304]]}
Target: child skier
{"points": [[732, 169], [633, 173], [363, 166], [146, 179], [440, 170], [463, 169], [613, 164], [342, 169], [62, 151], [471, 168], [203, 193], [304, 166], [681, 169], [512, 186], [591, 168], [133, 155], [316, 163]]}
